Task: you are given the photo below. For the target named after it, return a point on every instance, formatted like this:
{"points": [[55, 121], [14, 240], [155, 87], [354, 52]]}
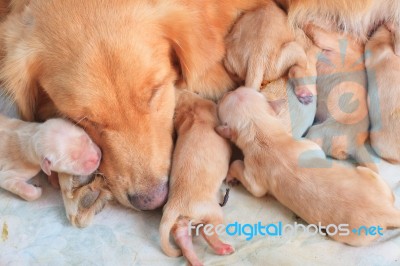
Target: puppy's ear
{"points": [[224, 131], [46, 166], [197, 49]]}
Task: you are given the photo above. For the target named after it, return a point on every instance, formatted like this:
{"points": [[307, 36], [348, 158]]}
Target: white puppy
{"points": [[55, 145]]}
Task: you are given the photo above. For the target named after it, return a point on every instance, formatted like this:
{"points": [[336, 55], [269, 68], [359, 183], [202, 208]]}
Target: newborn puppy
{"points": [[55, 145], [295, 116], [383, 68], [342, 111], [262, 47], [297, 173], [200, 164]]}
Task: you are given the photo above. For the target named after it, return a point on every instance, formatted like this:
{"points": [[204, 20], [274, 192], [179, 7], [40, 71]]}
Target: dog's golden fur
{"points": [[357, 17], [201, 161], [383, 68], [115, 77], [297, 173]]}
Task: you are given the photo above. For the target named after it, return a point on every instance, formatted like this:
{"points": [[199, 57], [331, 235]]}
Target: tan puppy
{"points": [[297, 173], [383, 68], [342, 114], [280, 93], [262, 47], [200, 164], [55, 145], [357, 17]]}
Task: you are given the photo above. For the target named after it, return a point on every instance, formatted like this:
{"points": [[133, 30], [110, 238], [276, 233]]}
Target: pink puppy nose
{"points": [[93, 160]]}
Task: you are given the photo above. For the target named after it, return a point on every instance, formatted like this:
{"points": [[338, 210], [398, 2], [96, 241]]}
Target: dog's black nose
{"points": [[154, 199]]}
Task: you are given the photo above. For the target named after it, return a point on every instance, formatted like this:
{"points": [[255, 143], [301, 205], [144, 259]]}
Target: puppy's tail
{"points": [[365, 158], [168, 220]]}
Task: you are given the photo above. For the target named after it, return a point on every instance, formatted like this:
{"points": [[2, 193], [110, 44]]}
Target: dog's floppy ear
{"points": [[196, 44], [19, 64]]}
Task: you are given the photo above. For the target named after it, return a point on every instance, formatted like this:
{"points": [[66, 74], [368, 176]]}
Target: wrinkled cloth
{"points": [[38, 233]]}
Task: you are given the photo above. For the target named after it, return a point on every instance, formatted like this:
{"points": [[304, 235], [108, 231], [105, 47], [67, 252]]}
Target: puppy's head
{"points": [[238, 109], [115, 77], [192, 108], [380, 42], [67, 148]]}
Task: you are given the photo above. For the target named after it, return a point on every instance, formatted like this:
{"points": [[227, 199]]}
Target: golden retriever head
{"points": [[113, 73]]}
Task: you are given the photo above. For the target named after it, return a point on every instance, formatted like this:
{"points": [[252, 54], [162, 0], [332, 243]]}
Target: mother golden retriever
{"points": [[111, 66]]}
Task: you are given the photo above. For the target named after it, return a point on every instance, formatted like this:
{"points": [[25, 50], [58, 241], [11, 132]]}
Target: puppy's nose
{"points": [[154, 199]]}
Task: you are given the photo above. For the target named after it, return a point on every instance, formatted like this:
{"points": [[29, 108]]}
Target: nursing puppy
{"points": [[262, 47], [342, 127], [297, 173], [200, 164], [55, 145], [294, 115], [357, 17], [383, 68]]}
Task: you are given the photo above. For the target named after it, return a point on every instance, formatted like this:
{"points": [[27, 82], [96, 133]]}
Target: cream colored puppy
{"points": [[55, 145], [342, 127], [200, 164], [383, 68], [261, 48], [280, 93], [297, 173]]}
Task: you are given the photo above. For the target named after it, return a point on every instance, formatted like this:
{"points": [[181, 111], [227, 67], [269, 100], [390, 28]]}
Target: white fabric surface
{"points": [[39, 234]]}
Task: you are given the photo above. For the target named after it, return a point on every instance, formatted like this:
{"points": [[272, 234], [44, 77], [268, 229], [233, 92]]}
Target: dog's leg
{"points": [[304, 87], [83, 203], [237, 171], [184, 240], [21, 188], [292, 54]]}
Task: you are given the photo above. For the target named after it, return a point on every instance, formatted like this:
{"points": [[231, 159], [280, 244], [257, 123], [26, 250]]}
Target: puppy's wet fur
{"points": [[200, 164], [298, 174]]}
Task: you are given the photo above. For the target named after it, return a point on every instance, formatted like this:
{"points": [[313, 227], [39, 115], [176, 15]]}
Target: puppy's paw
{"points": [[30, 192], [304, 95], [232, 181], [224, 249]]}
